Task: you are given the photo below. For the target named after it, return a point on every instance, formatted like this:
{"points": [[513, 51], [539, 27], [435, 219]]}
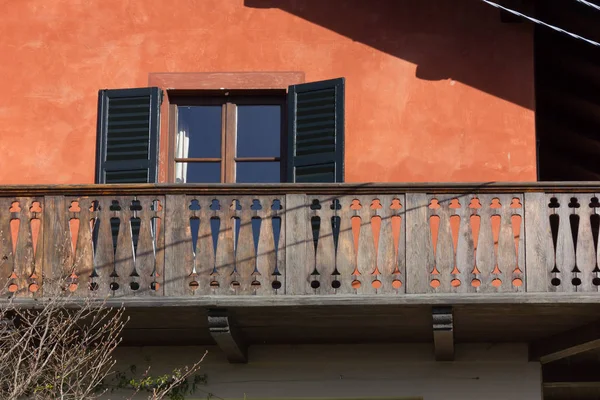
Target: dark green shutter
{"points": [[316, 132], [128, 127]]}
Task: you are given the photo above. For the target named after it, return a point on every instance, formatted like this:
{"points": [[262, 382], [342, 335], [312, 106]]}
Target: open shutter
{"points": [[128, 126], [316, 132]]}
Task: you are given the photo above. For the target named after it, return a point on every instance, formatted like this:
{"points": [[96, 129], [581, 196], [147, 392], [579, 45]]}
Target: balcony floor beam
{"points": [[433, 299]]}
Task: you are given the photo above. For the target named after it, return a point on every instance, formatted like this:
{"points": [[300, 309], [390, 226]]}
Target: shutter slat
{"points": [[317, 149], [315, 140], [325, 117], [315, 159], [316, 132], [316, 96], [124, 176], [118, 165], [310, 127], [131, 115], [322, 173], [316, 109], [128, 127], [117, 139], [134, 122], [130, 99], [133, 106], [132, 130], [128, 155]]}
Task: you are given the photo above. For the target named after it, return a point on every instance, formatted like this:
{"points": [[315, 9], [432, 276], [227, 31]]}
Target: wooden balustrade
{"points": [[271, 240]]}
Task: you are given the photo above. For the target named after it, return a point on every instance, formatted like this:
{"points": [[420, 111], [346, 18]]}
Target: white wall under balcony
{"points": [[481, 371]]}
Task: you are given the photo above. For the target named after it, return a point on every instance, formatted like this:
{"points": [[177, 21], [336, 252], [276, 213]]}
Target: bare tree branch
{"points": [[53, 352]]}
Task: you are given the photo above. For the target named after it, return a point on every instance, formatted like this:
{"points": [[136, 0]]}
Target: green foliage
{"points": [[176, 388]]}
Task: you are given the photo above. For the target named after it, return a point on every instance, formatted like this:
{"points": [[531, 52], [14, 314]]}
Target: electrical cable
{"points": [[589, 4], [537, 21]]}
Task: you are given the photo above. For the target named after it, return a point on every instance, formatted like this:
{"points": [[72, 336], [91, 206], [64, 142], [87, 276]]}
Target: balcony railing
{"points": [[275, 240]]}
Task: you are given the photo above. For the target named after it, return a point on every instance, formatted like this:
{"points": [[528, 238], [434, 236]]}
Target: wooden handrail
{"points": [[334, 189]]}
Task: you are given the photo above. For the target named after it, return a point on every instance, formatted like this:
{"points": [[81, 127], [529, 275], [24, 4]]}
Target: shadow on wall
{"points": [[461, 40]]}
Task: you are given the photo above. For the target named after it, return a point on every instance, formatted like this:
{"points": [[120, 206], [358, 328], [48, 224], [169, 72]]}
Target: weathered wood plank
{"points": [[246, 260], [178, 246], [506, 259], [202, 266], [80, 215], [387, 254], [6, 249], [298, 241], [399, 279], [57, 257], [325, 256], [158, 227], [419, 253], [565, 250], [147, 264], [595, 225], [486, 249], [518, 219], [34, 218], [465, 248], [511, 278], [221, 211], [346, 253], [267, 254], [584, 250], [278, 217], [366, 255], [539, 251], [123, 256], [442, 244]]}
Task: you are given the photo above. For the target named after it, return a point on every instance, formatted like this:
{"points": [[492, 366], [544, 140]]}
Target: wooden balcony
{"points": [[313, 240], [343, 246]]}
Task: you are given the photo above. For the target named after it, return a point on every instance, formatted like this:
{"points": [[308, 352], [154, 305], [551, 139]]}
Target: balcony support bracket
{"points": [[443, 333], [228, 338]]}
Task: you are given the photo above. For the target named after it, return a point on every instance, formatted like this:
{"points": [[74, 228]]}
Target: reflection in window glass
{"points": [[198, 172], [198, 132], [258, 172], [259, 131]]}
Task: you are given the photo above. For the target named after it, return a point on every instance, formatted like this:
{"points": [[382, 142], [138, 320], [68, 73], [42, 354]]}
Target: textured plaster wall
{"points": [[436, 90], [490, 372]]}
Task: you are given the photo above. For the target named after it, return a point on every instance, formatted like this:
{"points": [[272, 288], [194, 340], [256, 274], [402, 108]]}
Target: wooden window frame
{"points": [[229, 101], [210, 84]]}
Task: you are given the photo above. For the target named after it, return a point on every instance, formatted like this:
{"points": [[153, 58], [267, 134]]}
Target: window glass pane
{"points": [[198, 132], [258, 172], [259, 131], [198, 172]]}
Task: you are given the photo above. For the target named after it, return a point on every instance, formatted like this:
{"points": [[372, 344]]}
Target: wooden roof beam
{"points": [[566, 344]]}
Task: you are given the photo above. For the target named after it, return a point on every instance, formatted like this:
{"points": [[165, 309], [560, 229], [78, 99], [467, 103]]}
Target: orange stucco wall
{"points": [[436, 90]]}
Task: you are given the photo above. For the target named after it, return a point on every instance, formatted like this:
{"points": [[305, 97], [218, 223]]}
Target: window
{"points": [[229, 137]]}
